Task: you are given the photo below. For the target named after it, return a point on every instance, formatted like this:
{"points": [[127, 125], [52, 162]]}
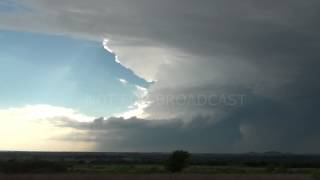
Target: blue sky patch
{"points": [[11, 6], [61, 71]]}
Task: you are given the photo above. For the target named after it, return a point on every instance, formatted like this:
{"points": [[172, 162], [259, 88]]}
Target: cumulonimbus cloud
{"points": [[266, 51]]}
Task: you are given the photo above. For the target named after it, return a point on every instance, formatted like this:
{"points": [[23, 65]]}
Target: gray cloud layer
{"points": [[266, 51]]}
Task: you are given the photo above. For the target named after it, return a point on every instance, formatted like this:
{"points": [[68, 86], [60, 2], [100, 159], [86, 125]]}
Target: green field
{"points": [[15, 163], [193, 169]]}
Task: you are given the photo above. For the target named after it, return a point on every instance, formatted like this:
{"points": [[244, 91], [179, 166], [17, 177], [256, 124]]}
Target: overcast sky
{"points": [[205, 76]]}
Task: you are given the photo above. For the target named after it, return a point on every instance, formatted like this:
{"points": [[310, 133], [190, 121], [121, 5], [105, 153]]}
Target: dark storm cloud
{"points": [[267, 51], [261, 124], [117, 134]]}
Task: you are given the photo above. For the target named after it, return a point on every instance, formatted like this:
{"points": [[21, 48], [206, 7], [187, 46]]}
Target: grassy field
{"points": [[215, 172], [151, 177], [33, 166], [155, 172], [194, 169]]}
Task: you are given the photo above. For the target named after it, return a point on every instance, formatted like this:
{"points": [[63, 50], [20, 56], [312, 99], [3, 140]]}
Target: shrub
{"points": [[177, 161]]}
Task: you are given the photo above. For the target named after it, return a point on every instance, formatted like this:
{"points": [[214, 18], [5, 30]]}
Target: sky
{"points": [[58, 70], [215, 76]]}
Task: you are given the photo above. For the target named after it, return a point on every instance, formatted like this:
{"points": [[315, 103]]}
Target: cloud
{"points": [[266, 52], [137, 109], [42, 111], [118, 134], [123, 81], [32, 127], [261, 125], [106, 47]]}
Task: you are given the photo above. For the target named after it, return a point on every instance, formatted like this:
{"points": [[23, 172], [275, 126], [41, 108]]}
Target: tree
{"points": [[177, 161]]}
